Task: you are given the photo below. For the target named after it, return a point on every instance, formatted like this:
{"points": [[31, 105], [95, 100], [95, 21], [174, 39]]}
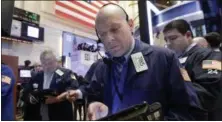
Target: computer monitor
{"points": [[25, 73]]}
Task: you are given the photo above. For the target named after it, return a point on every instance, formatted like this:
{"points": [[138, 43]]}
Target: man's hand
{"points": [[51, 100], [97, 110], [73, 95], [59, 98]]}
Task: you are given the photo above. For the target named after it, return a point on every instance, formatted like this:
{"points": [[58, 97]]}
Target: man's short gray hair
{"points": [[47, 53]]}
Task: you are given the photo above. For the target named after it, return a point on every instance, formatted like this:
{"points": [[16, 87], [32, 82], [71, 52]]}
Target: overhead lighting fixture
{"points": [[178, 2]]}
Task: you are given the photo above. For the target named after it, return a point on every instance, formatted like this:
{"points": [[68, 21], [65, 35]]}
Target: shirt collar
{"points": [[190, 46], [179, 55]]}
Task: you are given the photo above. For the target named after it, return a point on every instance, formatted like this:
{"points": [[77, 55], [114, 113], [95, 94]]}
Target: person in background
{"points": [[202, 65], [27, 64], [7, 98], [36, 69], [134, 72], [202, 42], [53, 77], [214, 39]]}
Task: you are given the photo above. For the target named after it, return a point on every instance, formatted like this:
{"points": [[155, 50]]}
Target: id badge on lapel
{"points": [[60, 74], [139, 62]]}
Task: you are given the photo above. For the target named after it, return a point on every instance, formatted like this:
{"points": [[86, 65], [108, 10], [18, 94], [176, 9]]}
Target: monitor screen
{"points": [[16, 28], [33, 32], [25, 73]]}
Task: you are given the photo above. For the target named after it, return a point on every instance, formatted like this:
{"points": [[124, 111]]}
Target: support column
{"points": [[144, 31]]}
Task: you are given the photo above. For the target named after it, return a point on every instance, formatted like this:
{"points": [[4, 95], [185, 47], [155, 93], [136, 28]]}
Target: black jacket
{"points": [[60, 83], [207, 81]]}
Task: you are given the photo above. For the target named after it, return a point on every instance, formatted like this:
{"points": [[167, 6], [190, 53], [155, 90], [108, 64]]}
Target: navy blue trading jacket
{"points": [[162, 82], [7, 85], [206, 81], [57, 111]]}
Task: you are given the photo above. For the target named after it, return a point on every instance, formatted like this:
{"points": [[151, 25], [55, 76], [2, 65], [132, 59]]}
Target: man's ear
{"points": [[131, 24], [189, 34]]}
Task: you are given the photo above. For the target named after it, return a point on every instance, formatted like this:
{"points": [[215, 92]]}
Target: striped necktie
{"points": [[119, 62]]}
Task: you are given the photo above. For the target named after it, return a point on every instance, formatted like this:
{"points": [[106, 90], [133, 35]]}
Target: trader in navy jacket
{"points": [[194, 59], [56, 79], [135, 72]]}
